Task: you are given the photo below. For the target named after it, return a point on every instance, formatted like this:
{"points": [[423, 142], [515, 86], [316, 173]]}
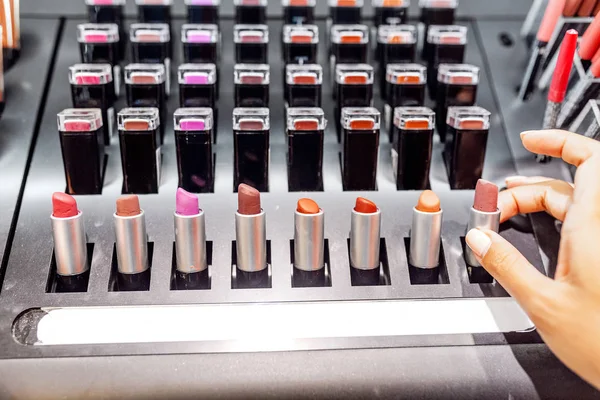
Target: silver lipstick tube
{"points": [[480, 220], [190, 243], [364, 240], [70, 246], [309, 241], [251, 241], [132, 243], [425, 237]]}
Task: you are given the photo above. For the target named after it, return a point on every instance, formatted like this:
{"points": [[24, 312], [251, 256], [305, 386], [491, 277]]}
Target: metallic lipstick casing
{"points": [[309, 241], [365, 240], [480, 220], [251, 241], [190, 243], [131, 243], [70, 245], [425, 239]]}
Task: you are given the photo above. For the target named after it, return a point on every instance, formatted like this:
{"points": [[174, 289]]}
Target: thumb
{"points": [[510, 268]]}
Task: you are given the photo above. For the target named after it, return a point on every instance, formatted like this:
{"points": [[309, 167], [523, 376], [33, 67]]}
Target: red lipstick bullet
{"points": [[365, 227]]}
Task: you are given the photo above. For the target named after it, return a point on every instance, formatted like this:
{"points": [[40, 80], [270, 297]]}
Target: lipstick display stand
{"points": [[441, 317]]}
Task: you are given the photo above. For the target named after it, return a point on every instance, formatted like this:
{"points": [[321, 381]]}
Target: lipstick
{"points": [[396, 44], [588, 88], [139, 139], [200, 43], [360, 144], [304, 85], [365, 227], [298, 11], [251, 240], [82, 145], [309, 245], [446, 45], [354, 87], [590, 43], [92, 87], [150, 44], [251, 85], [154, 11], [197, 85], [345, 11], [390, 12], [558, 87], [483, 215], [552, 14], [251, 147], [190, 243], [305, 136], [70, 245], [251, 44], [405, 88], [413, 143], [131, 245], [193, 141], [203, 11], [145, 87], [11, 32], [457, 86], [250, 11], [467, 131], [300, 44], [437, 12], [109, 12], [349, 45], [426, 232]]}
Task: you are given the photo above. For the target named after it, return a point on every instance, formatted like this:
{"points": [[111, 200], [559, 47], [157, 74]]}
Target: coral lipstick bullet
{"points": [[309, 244]]}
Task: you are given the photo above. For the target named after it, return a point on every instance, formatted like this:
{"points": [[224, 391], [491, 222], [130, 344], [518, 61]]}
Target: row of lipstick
{"points": [[251, 243]]}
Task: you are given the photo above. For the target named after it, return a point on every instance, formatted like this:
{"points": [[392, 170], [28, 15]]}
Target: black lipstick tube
{"points": [[250, 11], [145, 87], [304, 84], [82, 145], [139, 138], [446, 46], [150, 44], [203, 11], [435, 12], [300, 44], [405, 87], [298, 11], [345, 11], [457, 86], [251, 44], [198, 88], [390, 12], [396, 44], [92, 87], [193, 141], [413, 143], [200, 43], [109, 12], [251, 147], [154, 11], [305, 132], [349, 45], [465, 146], [251, 85], [354, 84], [360, 144]]}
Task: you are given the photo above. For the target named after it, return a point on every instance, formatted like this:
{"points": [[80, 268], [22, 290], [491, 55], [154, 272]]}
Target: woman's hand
{"points": [[566, 310]]}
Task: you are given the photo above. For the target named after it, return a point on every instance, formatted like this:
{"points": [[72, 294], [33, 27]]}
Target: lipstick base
{"points": [[133, 282], [194, 281], [72, 283], [427, 276], [251, 280], [318, 278]]}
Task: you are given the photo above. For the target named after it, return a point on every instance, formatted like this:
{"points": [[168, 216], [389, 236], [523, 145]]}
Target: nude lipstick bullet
{"points": [[190, 242], [365, 227], [309, 244], [70, 245], [251, 240], [483, 215], [132, 245]]}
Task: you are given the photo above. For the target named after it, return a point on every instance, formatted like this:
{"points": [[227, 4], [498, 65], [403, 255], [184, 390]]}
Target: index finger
{"points": [[571, 147]]}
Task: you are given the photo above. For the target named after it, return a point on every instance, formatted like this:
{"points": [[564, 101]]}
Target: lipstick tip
{"points": [[248, 200], [186, 203], [128, 206], [428, 202], [308, 206], [365, 206], [486, 196], [63, 205]]}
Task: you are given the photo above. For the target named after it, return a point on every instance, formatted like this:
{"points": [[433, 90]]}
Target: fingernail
{"points": [[479, 242], [514, 178]]}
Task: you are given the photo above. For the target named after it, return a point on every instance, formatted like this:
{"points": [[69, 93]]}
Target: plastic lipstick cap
{"points": [[390, 3], [243, 33], [144, 74], [149, 33], [90, 74], [468, 118], [300, 34], [193, 119], [360, 118], [105, 2], [306, 119], [251, 119], [406, 74], [349, 34], [251, 74], [447, 34], [202, 2], [153, 2], [346, 3], [354, 74], [199, 33], [307, 74], [97, 33], [138, 119], [397, 34], [458, 74], [298, 3], [414, 118], [197, 74], [79, 120], [438, 3], [259, 3]]}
